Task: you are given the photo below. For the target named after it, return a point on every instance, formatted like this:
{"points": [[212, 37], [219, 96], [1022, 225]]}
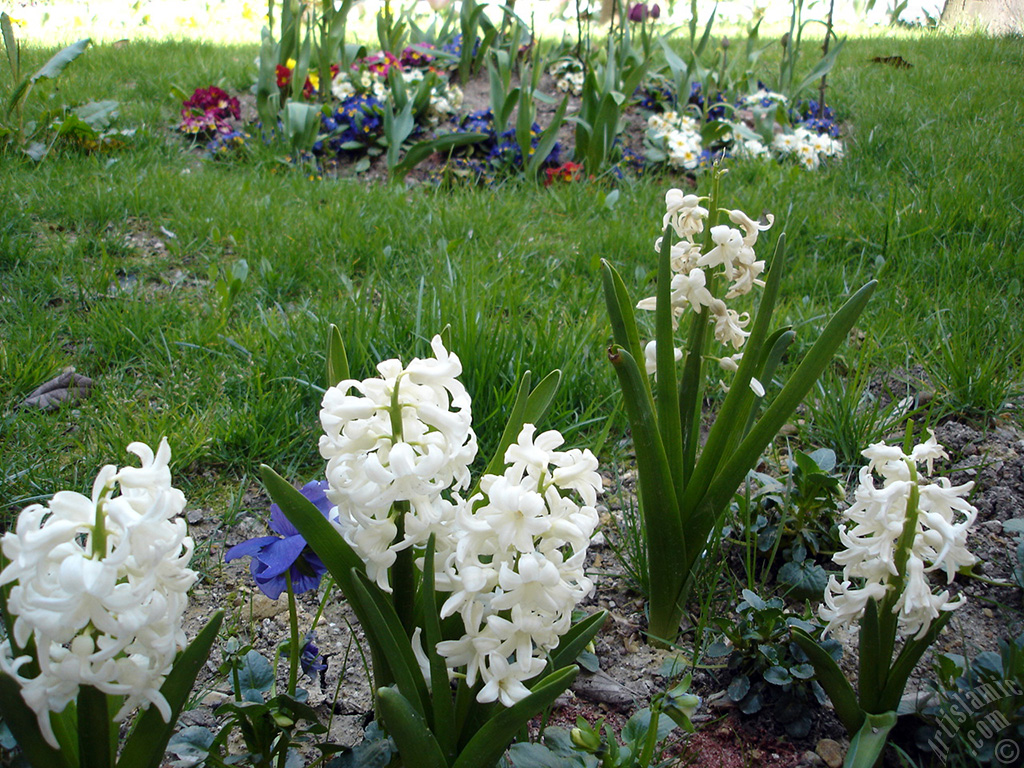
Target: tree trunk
{"points": [[998, 17]]}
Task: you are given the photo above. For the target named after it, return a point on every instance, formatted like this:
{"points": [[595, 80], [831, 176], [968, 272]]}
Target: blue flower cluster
{"points": [[455, 46], [354, 125], [503, 150], [806, 114], [228, 145]]}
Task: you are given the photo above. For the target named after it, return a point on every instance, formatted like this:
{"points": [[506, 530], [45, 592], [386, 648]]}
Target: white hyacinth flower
{"points": [[517, 569], [879, 516], [100, 584], [406, 437]]}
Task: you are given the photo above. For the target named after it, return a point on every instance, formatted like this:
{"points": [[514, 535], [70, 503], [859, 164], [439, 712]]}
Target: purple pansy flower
{"points": [[275, 556], [310, 659]]}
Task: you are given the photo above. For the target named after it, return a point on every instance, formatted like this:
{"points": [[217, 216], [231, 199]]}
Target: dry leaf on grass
{"points": [[69, 387]]}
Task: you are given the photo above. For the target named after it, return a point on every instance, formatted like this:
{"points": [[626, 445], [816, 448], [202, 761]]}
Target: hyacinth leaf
{"points": [[776, 347], [267, 94], [416, 744], [95, 748], [822, 68], [546, 142], [873, 669], [11, 46], [529, 408], [658, 501], [623, 318], [22, 722], [669, 421], [337, 357], [340, 559], [832, 679], [421, 150], [147, 742], [440, 690], [746, 454], [905, 662], [737, 402], [575, 641], [384, 628], [867, 744], [310, 522], [491, 741]]}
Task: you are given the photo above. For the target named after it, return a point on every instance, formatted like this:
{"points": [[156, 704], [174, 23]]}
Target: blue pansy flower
{"points": [[275, 556], [310, 659]]}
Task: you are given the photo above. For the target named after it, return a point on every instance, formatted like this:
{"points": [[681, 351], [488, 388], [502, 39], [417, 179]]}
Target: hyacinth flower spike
{"points": [[407, 551], [897, 533], [92, 594]]}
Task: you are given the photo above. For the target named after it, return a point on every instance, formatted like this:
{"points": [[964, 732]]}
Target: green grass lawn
{"points": [[110, 263]]}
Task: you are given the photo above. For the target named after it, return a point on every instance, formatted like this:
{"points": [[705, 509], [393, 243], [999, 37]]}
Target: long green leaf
{"points": [[658, 501], [421, 150], [16, 96], [384, 627], [23, 724], [832, 679], [764, 431], [416, 744], [337, 358], [547, 140], [731, 418], [867, 744], [340, 559], [491, 741], [94, 746], [575, 641], [775, 349], [873, 670], [905, 662], [310, 522], [669, 423], [622, 317], [516, 419], [11, 46], [147, 743], [440, 689], [540, 398], [529, 408], [60, 60], [822, 68]]}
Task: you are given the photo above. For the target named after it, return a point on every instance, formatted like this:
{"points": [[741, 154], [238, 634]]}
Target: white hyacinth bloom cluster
{"points": [[808, 147], [100, 585], [403, 437], [517, 570], [569, 76], [878, 515], [512, 555], [680, 135], [762, 98], [732, 255]]}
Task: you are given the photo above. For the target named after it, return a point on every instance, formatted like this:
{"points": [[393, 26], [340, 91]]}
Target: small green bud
{"points": [[588, 740], [283, 721]]}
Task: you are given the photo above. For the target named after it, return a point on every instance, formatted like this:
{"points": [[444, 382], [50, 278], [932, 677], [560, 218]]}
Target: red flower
{"points": [[567, 172], [284, 76]]}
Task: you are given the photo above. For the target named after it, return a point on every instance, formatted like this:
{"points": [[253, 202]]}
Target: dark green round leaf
{"points": [[778, 676], [738, 688]]}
